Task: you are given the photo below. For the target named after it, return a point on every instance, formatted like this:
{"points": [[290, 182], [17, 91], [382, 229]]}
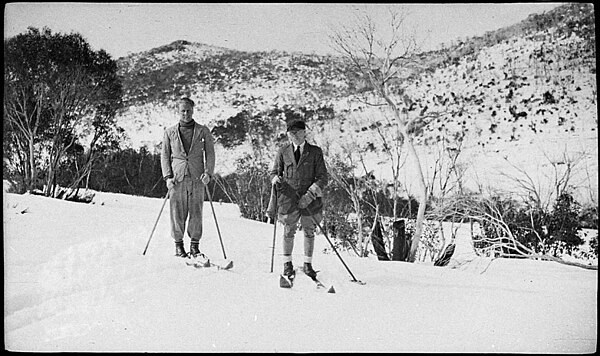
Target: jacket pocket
{"points": [[289, 170], [287, 199]]}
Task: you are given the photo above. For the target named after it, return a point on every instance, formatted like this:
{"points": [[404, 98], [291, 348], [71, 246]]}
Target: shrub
{"points": [[563, 224], [594, 245], [249, 187], [129, 171], [337, 213]]}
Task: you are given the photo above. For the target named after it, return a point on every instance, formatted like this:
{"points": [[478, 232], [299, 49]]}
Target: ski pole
{"points": [[211, 203], [335, 250], [274, 191], [216, 223], [156, 223]]}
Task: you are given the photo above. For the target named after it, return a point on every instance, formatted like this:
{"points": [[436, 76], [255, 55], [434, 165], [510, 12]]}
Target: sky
{"points": [[123, 28]]}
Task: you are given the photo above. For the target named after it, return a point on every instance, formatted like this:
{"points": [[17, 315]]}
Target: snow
{"points": [[75, 280]]}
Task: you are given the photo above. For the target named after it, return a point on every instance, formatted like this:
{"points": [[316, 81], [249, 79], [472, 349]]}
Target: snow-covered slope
{"points": [[525, 108], [75, 279]]}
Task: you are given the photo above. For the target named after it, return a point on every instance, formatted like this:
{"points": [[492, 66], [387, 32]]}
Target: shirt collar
{"points": [[301, 146]]}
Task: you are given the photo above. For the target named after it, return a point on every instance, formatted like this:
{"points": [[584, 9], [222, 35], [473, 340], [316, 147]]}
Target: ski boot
{"points": [[200, 259], [286, 280], [179, 249], [288, 269], [308, 270]]}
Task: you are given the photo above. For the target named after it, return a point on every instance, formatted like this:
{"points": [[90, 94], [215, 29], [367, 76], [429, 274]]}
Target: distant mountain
{"points": [[183, 67], [528, 96]]}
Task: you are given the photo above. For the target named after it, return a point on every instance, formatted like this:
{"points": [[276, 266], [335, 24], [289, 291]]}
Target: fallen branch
{"points": [[556, 259]]}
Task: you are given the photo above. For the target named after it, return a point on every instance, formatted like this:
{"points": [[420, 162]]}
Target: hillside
{"points": [[527, 96]]}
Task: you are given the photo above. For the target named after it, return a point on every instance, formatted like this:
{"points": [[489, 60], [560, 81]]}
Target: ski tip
{"points": [[199, 264], [284, 283], [331, 290], [229, 265]]}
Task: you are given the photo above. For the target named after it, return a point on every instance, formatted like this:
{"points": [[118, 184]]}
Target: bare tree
{"points": [[558, 179], [392, 147], [448, 172], [384, 64]]}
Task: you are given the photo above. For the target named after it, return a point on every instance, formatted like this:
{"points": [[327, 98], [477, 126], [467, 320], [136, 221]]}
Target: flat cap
{"points": [[296, 125]]}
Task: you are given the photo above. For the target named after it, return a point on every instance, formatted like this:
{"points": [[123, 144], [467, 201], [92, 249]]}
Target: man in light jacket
{"points": [[187, 162], [299, 175]]}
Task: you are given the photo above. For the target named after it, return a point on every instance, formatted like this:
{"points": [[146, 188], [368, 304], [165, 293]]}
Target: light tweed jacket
{"points": [[175, 163]]}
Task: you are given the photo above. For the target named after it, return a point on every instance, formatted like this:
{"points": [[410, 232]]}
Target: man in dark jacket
{"points": [[299, 175], [187, 162]]}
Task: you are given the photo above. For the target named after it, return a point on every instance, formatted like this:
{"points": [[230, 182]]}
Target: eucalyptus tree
{"points": [[58, 93], [384, 59]]}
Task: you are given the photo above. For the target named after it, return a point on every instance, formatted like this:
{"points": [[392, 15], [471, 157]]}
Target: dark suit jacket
{"points": [[298, 177]]}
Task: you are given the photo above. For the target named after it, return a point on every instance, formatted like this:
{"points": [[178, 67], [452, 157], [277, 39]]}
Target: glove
{"points": [[170, 183], [205, 178], [275, 180], [306, 199]]}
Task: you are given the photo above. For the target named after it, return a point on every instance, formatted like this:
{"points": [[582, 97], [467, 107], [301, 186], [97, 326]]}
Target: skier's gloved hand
{"points": [[314, 191], [306, 199], [275, 180], [170, 183], [205, 178]]}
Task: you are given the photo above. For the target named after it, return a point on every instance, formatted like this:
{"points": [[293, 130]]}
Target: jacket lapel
{"points": [[195, 135], [304, 153], [179, 140], [289, 152]]}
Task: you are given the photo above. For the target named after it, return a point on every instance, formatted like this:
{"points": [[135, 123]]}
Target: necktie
{"points": [[297, 154]]}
